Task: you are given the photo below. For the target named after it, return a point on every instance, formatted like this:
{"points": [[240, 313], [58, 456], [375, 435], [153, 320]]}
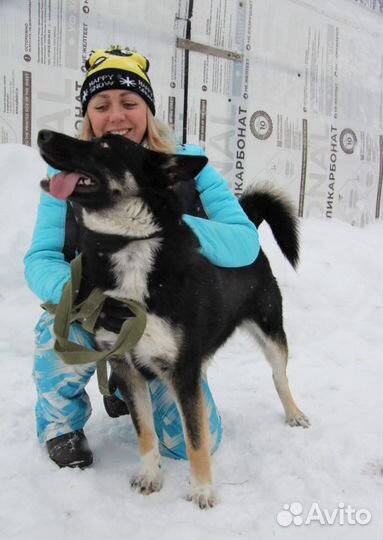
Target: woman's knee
{"points": [[50, 372]]}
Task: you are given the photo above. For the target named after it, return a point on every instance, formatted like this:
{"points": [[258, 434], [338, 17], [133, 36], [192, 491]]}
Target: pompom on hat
{"points": [[116, 68]]}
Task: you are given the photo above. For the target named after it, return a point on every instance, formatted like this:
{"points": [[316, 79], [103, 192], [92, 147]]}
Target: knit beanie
{"points": [[115, 68]]}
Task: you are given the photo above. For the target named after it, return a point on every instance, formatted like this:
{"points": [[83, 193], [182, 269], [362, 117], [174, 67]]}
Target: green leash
{"points": [[86, 313]]}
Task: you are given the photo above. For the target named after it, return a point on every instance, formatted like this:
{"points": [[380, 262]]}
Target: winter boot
{"points": [[115, 407], [70, 450]]}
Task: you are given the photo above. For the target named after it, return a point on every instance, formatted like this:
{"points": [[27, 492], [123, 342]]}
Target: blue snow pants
{"points": [[63, 404]]}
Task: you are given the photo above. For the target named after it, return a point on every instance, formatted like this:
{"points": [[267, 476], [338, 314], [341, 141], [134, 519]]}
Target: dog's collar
{"points": [[135, 238], [121, 239]]}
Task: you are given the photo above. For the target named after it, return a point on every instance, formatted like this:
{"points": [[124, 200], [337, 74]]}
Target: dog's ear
{"points": [[170, 169]]}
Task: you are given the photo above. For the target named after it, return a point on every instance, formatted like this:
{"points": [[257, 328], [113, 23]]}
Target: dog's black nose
{"points": [[44, 136]]}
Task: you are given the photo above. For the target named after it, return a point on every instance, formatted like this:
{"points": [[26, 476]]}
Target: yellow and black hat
{"points": [[116, 68]]}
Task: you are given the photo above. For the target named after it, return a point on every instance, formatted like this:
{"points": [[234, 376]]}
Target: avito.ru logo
{"points": [[342, 515]]}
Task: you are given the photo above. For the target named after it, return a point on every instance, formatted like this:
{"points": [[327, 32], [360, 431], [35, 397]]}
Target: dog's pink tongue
{"points": [[63, 184]]}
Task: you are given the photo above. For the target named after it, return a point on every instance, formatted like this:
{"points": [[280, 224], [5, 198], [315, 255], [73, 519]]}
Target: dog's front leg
{"points": [[191, 402], [134, 389]]}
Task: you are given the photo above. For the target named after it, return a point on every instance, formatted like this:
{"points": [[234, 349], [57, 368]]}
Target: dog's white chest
{"points": [[158, 348], [131, 267]]}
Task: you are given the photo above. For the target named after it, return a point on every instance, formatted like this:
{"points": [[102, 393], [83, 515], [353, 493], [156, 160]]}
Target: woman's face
{"points": [[120, 112]]}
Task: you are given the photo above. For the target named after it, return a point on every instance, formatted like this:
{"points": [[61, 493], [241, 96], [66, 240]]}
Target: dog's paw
{"points": [[298, 419], [203, 496], [147, 484]]}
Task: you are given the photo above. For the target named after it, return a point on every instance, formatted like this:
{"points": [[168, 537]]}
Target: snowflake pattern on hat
{"points": [[127, 81]]}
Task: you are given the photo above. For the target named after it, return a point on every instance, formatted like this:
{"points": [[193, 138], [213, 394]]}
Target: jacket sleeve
{"points": [[45, 268], [228, 238]]}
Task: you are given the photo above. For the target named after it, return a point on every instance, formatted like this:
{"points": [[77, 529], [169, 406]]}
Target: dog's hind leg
{"points": [[193, 410], [277, 355], [134, 388], [276, 352]]}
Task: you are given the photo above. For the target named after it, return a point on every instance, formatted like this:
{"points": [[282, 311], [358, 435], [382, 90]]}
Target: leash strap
{"points": [[87, 313]]}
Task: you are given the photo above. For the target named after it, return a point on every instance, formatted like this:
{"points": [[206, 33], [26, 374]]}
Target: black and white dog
{"points": [[136, 246]]}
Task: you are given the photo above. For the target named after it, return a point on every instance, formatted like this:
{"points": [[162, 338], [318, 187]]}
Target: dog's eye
{"points": [[104, 144]]}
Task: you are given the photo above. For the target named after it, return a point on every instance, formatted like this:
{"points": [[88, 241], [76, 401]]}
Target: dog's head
{"points": [[98, 174]]}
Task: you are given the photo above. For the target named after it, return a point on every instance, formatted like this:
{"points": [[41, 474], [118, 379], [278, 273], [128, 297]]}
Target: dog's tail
{"points": [[271, 206]]}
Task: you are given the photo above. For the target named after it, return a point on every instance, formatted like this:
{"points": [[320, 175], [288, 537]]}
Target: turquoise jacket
{"points": [[228, 238]]}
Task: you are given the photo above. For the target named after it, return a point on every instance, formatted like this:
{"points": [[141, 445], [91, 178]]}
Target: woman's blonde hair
{"points": [[159, 137]]}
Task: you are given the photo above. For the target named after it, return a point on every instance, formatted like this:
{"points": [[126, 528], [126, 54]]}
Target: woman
{"points": [[117, 97]]}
